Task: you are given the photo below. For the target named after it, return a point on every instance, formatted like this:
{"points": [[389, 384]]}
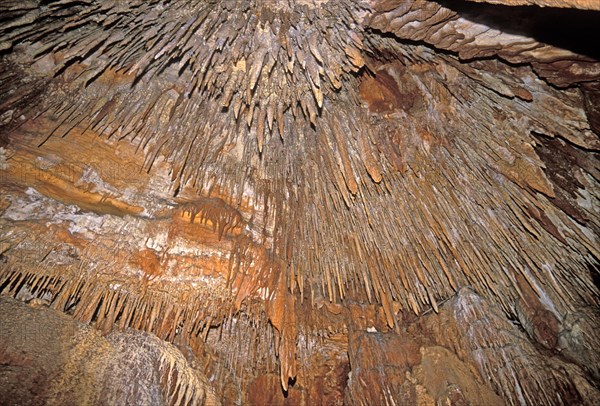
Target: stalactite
{"points": [[314, 149]]}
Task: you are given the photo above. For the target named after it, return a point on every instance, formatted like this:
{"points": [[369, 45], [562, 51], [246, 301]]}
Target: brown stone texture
{"points": [[299, 202], [48, 358], [580, 4]]}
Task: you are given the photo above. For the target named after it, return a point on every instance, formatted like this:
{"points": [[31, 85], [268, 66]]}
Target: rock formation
{"points": [[299, 202]]}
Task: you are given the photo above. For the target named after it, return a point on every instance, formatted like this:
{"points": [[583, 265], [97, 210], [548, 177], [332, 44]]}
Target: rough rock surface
{"points": [[316, 201], [580, 4], [48, 358]]}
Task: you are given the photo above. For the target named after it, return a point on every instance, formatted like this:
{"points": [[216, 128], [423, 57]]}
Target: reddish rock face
{"points": [[298, 202], [382, 94]]}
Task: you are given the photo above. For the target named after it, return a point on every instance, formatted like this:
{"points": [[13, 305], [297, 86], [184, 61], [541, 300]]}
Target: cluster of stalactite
{"points": [[335, 160]]}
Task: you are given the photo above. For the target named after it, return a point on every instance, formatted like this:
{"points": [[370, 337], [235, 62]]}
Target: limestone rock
{"points": [[316, 201]]}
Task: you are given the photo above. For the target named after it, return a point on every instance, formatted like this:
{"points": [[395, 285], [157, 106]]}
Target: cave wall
{"points": [[299, 202]]}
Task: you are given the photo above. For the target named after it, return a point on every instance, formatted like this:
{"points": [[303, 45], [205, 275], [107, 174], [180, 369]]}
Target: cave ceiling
{"points": [[200, 168]]}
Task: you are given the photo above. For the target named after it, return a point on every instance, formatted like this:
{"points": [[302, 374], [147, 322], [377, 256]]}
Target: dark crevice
{"points": [[570, 29]]}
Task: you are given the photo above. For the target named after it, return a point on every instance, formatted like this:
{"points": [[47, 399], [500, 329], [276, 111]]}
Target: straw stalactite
{"points": [[251, 169]]}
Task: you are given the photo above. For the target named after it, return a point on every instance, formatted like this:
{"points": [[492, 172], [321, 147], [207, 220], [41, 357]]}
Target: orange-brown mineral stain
{"points": [[148, 261], [382, 94]]}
